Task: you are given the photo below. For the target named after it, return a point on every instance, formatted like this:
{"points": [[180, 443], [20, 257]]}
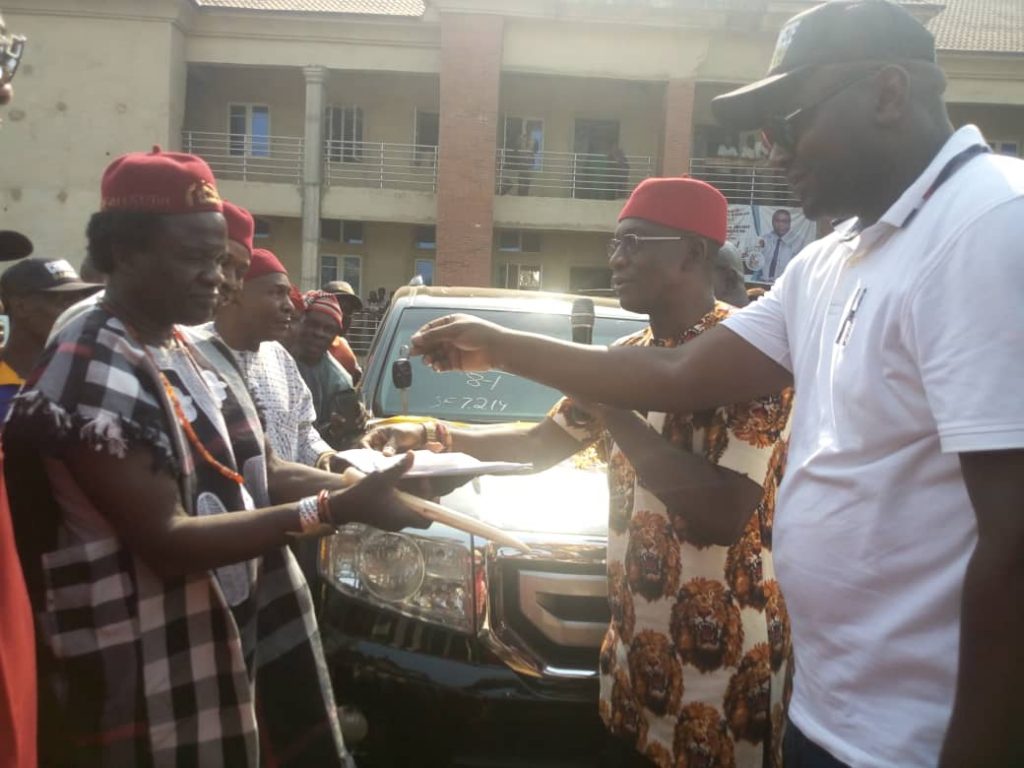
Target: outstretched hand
{"points": [[372, 500], [458, 343]]}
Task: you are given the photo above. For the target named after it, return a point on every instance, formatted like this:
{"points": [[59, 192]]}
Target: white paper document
{"points": [[430, 464]]}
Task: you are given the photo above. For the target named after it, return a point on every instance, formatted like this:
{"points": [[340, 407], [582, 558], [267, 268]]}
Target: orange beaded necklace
{"points": [[179, 412], [186, 426]]}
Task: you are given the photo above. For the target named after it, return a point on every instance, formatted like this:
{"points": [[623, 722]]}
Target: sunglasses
{"points": [[632, 244], [12, 48], [784, 130]]}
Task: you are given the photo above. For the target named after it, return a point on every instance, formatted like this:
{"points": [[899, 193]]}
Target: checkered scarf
{"points": [[137, 669]]}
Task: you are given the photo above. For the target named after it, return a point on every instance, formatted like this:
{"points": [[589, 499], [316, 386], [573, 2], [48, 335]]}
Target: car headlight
{"points": [[428, 577]]}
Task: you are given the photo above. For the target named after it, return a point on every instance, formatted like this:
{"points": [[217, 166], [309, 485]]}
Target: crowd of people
{"points": [[814, 526]]}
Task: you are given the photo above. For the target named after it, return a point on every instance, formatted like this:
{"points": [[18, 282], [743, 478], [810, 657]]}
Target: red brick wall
{"points": [[678, 133], [471, 47]]}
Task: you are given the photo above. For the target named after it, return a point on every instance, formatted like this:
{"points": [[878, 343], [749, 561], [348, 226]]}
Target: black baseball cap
{"points": [[14, 245], [43, 276], [837, 32]]}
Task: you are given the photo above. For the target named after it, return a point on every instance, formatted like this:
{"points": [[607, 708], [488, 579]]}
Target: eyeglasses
{"points": [[631, 244], [12, 48], [783, 129]]}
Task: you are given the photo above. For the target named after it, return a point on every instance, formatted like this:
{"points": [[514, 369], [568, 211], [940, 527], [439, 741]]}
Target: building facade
{"points": [[474, 142]]}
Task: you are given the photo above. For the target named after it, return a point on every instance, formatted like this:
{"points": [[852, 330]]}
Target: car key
{"points": [[401, 376]]}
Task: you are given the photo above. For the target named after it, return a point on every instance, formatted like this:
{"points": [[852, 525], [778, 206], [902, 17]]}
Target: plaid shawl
{"points": [[136, 669]]}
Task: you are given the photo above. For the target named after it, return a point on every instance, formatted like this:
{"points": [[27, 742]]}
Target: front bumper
{"points": [[435, 698]]}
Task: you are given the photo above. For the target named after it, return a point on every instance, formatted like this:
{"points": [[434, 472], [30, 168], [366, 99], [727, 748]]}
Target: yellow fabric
{"points": [[9, 376]]}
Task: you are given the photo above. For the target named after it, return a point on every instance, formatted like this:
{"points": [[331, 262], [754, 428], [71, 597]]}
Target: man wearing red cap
{"points": [[340, 416], [151, 520], [241, 229], [253, 326], [899, 529], [694, 661]]}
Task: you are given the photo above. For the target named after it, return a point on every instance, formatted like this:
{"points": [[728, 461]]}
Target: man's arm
{"points": [[143, 505], [543, 445], [716, 502], [717, 368], [988, 710]]}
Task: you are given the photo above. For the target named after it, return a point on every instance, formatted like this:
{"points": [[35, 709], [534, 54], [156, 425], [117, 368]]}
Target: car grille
{"points": [[555, 613]]}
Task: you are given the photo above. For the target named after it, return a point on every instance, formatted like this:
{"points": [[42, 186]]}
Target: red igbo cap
{"points": [[159, 182], [319, 301], [685, 204], [296, 296], [241, 226], [264, 263]]}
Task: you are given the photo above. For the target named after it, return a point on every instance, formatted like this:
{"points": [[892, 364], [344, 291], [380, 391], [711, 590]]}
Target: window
{"points": [[347, 268], [249, 129], [352, 232], [425, 269], [518, 241], [428, 128], [338, 231], [425, 238], [426, 133], [330, 229], [343, 127], [519, 276], [262, 228]]}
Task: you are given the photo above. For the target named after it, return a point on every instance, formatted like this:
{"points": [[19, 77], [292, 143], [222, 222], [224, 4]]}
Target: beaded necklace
{"points": [[179, 412]]}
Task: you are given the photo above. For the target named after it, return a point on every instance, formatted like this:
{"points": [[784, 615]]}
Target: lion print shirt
{"points": [[695, 660]]}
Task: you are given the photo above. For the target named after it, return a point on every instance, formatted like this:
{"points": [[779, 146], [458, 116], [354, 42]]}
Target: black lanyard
{"points": [[955, 164]]}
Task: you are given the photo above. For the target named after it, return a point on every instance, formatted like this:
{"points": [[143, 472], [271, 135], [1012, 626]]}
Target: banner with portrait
{"points": [[768, 237]]}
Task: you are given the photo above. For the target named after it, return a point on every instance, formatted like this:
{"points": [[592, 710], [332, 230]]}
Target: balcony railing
{"points": [[569, 174], [743, 182], [362, 330], [382, 165], [244, 157]]}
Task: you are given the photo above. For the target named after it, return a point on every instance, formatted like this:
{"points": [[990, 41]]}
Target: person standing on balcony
{"points": [[899, 532], [693, 665], [523, 156]]}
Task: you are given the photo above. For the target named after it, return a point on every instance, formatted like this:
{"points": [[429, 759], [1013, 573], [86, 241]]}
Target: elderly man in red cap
{"points": [[694, 662], [340, 416], [152, 521]]}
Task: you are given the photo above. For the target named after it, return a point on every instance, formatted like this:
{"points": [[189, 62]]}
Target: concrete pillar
{"points": [[678, 132], [471, 48], [312, 176]]}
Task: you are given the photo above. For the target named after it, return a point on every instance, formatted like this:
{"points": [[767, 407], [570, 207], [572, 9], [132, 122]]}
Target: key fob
{"points": [[401, 370]]}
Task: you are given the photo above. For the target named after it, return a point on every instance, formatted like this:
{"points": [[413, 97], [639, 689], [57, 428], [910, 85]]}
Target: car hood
{"points": [[561, 500]]}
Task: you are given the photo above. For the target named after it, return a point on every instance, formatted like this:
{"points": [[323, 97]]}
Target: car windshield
{"points": [[493, 396]]}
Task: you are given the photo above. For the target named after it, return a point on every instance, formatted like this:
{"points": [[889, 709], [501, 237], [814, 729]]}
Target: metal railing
{"points": [[744, 182], [362, 330], [382, 165], [245, 157], [569, 174]]}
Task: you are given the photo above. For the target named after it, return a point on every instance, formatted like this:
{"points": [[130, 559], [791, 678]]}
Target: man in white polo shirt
{"points": [[899, 529]]}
